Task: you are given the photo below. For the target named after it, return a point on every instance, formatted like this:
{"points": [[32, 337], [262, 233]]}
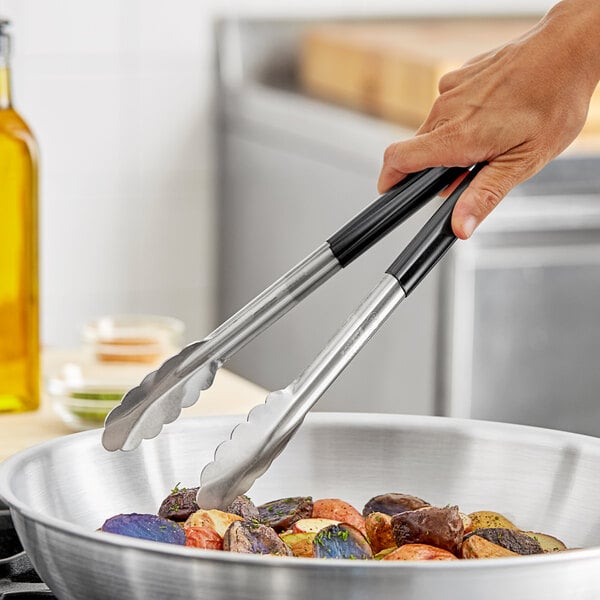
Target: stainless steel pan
{"points": [[61, 491]]}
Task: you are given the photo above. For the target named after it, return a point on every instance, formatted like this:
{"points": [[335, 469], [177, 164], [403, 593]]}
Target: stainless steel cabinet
{"points": [[506, 328], [522, 308]]}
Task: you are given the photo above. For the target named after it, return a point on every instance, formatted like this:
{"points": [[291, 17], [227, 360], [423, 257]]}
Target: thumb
{"points": [[484, 193]]}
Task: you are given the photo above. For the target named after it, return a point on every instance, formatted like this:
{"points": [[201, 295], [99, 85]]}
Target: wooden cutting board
{"points": [[392, 70]]}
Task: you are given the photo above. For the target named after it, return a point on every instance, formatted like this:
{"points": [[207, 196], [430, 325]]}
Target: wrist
{"points": [[577, 22]]}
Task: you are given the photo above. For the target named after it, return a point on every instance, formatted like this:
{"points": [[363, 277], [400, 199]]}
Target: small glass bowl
{"points": [[83, 393], [146, 339], [118, 352]]}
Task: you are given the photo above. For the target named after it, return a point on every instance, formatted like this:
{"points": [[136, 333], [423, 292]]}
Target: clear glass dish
{"points": [[118, 352], [144, 339]]}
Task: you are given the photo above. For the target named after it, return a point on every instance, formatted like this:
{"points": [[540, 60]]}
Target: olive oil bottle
{"points": [[19, 329]]}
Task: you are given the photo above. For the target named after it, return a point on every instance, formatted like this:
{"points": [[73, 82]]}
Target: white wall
{"points": [[119, 95]]}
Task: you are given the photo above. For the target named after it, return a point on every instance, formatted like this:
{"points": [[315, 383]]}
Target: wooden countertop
{"points": [[230, 394]]}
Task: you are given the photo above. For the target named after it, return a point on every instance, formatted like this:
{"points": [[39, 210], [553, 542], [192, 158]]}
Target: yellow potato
{"points": [[478, 547], [301, 544], [486, 518], [215, 519], [312, 525], [548, 542]]}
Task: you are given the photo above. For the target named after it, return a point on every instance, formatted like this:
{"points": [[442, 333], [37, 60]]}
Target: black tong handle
{"points": [[388, 211], [431, 243]]}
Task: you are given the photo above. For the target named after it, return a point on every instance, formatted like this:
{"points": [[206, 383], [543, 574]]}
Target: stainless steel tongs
{"points": [[256, 443]]}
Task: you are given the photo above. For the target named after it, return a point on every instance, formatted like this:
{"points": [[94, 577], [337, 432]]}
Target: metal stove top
{"points": [[18, 578]]}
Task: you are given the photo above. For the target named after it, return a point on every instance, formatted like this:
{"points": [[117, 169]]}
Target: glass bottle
{"points": [[19, 320]]}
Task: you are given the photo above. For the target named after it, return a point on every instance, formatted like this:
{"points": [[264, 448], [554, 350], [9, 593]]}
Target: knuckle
{"points": [[447, 81], [490, 197], [390, 153]]}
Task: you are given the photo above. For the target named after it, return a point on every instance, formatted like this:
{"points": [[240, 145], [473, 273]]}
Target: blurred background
{"points": [[191, 152]]}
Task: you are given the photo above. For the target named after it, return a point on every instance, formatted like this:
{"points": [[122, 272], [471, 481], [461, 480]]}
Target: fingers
{"points": [[484, 193], [420, 152]]}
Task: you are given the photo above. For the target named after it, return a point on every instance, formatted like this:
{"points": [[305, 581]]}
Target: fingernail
{"points": [[469, 225]]}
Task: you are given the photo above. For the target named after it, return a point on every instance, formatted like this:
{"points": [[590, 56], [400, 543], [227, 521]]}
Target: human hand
{"points": [[516, 107]]}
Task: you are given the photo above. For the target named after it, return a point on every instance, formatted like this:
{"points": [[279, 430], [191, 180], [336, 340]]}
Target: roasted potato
{"points": [[338, 510], [341, 541], [301, 543], [467, 522], [283, 513], [179, 504], [244, 507], [312, 525], [145, 527], [440, 527], [379, 531], [249, 537], [383, 553], [215, 519], [478, 547], [392, 504], [419, 552], [511, 539], [547, 542], [203, 537], [486, 518]]}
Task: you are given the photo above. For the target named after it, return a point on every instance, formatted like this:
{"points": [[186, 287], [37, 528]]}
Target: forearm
{"points": [[576, 24]]}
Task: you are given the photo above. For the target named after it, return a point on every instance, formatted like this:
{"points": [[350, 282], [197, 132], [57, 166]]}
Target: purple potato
{"points": [[392, 504], [145, 527], [252, 537], [282, 514], [341, 541], [512, 540], [244, 507], [179, 504], [439, 527]]}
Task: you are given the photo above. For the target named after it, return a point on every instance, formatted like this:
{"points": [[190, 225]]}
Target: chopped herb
{"points": [[176, 488], [174, 508], [343, 533]]}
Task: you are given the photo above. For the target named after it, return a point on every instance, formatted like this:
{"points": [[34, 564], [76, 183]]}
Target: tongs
{"points": [[253, 445]]}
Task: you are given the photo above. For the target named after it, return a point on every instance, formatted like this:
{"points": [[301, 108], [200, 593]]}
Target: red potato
{"points": [[419, 552], [203, 537], [338, 510]]}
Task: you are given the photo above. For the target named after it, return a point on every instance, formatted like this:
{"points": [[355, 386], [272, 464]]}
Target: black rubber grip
{"points": [[431, 243], [388, 211]]}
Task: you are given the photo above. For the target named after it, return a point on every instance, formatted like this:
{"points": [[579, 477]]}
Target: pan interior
{"points": [[542, 480]]}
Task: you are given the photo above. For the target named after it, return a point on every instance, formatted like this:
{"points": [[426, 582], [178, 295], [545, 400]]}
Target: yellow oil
{"points": [[19, 329]]}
